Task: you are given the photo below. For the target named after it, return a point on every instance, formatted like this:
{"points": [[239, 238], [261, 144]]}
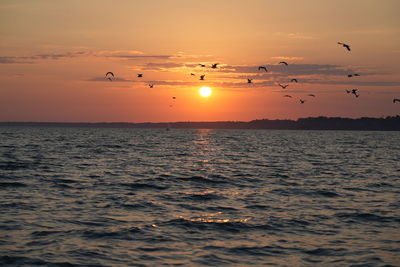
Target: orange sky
{"points": [[54, 56]]}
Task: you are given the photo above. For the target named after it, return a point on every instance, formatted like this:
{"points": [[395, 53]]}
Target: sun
{"points": [[205, 91]]}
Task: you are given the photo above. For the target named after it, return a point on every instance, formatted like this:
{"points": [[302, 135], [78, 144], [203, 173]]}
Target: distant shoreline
{"points": [[391, 123]]}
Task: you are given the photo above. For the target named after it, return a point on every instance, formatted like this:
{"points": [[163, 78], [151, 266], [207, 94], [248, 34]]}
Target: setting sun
{"points": [[205, 91]]}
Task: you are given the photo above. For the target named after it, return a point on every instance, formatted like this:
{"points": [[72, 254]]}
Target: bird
{"points": [[214, 66], [283, 86], [283, 62], [287, 96], [262, 68], [294, 80], [151, 85], [202, 65], [302, 101], [311, 95], [396, 100], [345, 45], [249, 80], [192, 74], [112, 74], [354, 91], [202, 77], [173, 97], [140, 75], [353, 75]]}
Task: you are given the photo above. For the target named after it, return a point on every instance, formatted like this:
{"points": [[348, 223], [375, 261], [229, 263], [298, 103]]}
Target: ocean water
{"points": [[151, 197]]}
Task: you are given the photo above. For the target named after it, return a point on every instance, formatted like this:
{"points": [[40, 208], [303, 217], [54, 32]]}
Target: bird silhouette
{"points": [[112, 74], [214, 66], [353, 75], [354, 91], [173, 97], [151, 85], [202, 77], [294, 80], [283, 62], [396, 100], [140, 75], [311, 95], [302, 101], [192, 74], [287, 96], [262, 68], [283, 86], [202, 65], [249, 80], [345, 45]]}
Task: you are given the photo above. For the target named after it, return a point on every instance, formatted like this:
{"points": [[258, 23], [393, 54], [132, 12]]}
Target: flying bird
{"points": [[249, 80], [214, 66], [151, 85], [345, 45], [202, 77], [396, 100], [140, 75], [192, 74], [283, 62], [202, 65], [287, 96], [294, 80], [302, 101], [311, 95], [354, 91], [112, 74], [173, 97], [283, 86], [353, 75], [262, 68]]}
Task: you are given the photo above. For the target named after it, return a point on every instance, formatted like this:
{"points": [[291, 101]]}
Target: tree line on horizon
{"points": [[389, 123]]}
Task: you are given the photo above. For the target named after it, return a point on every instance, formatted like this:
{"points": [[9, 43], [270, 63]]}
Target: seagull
{"points": [[283, 62], [112, 74], [202, 77], [354, 91], [140, 75], [283, 86], [192, 74], [294, 80], [214, 66], [249, 80], [202, 65], [287, 96], [262, 68], [353, 75], [151, 85], [311, 95], [302, 101], [396, 100], [345, 45]]}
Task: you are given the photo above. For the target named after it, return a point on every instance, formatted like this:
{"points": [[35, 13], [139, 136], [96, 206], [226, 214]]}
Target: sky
{"points": [[54, 56]]}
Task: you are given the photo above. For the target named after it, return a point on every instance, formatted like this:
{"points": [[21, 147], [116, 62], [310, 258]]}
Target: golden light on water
{"points": [[205, 91]]}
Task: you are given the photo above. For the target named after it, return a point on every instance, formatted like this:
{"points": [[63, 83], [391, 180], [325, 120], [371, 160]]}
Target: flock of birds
{"points": [[354, 92]]}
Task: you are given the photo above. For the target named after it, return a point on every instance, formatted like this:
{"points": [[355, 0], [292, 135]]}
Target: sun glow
{"points": [[205, 91]]}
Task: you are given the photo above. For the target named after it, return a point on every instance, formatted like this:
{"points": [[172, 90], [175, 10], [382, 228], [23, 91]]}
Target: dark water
{"points": [[146, 197]]}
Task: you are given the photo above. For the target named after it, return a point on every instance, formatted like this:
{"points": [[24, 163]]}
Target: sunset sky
{"points": [[54, 56]]}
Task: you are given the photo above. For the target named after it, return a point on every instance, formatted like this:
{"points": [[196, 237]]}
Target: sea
{"points": [[152, 197]]}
